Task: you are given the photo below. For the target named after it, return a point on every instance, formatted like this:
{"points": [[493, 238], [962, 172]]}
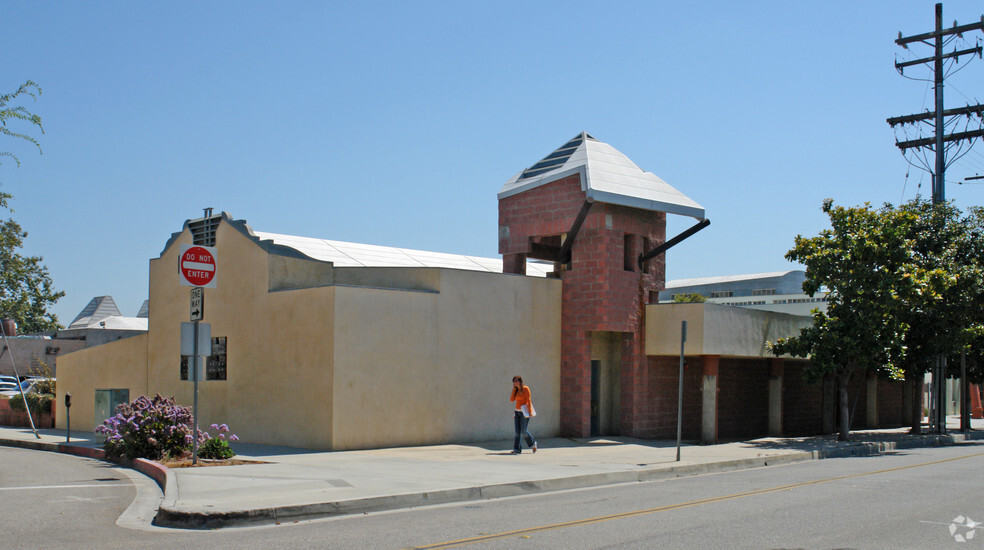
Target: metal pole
{"points": [[938, 414], [941, 396], [683, 341], [939, 193], [27, 407], [194, 368], [964, 394]]}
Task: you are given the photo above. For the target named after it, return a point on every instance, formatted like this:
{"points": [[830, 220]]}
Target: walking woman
{"points": [[523, 399]]}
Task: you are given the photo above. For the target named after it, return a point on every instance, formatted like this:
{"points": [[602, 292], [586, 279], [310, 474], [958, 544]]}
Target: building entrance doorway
{"points": [[606, 387]]}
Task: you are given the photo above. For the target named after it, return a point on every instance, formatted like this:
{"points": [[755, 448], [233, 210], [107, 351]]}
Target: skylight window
{"points": [[557, 158]]}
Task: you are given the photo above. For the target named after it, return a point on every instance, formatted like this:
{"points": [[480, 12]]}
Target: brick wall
{"points": [[664, 379], [603, 289], [890, 403], [10, 417], [743, 398], [802, 403]]}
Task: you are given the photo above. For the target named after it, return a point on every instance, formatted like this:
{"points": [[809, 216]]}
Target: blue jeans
{"points": [[521, 423]]}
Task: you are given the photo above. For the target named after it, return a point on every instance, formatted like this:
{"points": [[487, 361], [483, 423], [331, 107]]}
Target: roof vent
{"points": [[203, 230]]}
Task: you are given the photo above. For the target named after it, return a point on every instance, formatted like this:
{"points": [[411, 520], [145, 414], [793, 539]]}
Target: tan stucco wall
{"points": [[116, 365], [343, 363], [279, 346], [433, 367], [717, 330]]}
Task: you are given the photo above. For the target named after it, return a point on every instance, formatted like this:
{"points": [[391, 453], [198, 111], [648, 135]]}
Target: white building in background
{"points": [[100, 322], [780, 291]]}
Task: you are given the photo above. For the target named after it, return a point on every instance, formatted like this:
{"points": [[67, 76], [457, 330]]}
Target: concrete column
{"points": [[775, 397], [709, 408], [871, 419], [514, 263]]}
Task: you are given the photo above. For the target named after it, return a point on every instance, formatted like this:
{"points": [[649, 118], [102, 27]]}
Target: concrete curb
{"points": [[161, 474], [169, 516]]}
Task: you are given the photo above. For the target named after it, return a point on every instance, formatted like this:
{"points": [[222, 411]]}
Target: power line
{"points": [[945, 141], [942, 143]]}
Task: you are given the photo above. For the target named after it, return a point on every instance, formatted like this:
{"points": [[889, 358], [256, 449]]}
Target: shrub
{"points": [[36, 401], [45, 386], [159, 428], [147, 428], [39, 398], [217, 447]]}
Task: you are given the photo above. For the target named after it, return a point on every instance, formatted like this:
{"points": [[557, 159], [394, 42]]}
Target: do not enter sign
{"points": [[197, 266]]}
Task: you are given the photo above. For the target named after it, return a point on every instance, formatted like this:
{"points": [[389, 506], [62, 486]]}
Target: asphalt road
{"points": [[907, 499], [57, 498]]}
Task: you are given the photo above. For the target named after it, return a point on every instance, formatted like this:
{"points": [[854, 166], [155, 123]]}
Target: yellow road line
{"points": [[623, 515]]}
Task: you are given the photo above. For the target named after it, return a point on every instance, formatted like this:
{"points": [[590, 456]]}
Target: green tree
{"points": [[26, 290], [941, 298], [905, 285], [10, 113], [859, 261], [689, 298]]}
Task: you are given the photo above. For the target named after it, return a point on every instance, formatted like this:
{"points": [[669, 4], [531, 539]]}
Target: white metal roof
{"points": [[97, 309], [607, 176], [343, 254], [118, 322], [677, 283]]}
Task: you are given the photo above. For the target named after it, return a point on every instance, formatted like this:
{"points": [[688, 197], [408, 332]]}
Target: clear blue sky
{"points": [[396, 123]]}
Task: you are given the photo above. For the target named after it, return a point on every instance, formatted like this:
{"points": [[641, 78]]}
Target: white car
{"points": [[12, 390]]}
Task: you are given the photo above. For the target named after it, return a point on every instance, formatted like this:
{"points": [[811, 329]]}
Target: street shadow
{"points": [[829, 442], [259, 451], [505, 446]]}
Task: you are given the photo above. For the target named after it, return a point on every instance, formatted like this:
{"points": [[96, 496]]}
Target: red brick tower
{"points": [[592, 212]]}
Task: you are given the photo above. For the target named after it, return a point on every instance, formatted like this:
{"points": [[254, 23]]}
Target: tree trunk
{"points": [[844, 423]]}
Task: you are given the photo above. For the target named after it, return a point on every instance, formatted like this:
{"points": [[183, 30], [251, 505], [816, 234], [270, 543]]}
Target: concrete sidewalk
{"points": [[293, 484]]}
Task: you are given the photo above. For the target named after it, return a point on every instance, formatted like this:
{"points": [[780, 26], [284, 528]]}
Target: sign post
{"points": [[196, 342], [683, 343], [197, 267]]}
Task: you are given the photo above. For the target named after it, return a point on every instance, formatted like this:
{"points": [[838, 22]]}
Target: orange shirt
{"points": [[522, 397]]}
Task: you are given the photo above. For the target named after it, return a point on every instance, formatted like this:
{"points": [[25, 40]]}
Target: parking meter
{"points": [[68, 417]]}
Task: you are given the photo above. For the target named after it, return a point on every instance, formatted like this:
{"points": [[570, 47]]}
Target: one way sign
{"points": [[197, 303]]}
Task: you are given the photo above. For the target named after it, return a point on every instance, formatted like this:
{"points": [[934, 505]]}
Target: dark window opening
{"points": [[545, 248], [650, 266], [630, 257], [215, 364]]}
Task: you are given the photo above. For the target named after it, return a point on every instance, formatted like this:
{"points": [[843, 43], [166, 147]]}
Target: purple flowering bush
{"points": [[154, 429], [216, 447]]}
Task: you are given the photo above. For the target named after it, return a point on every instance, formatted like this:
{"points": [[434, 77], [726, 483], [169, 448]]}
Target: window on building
{"points": [[630, 257], [215, 364], [763, 292], [722, 294]]}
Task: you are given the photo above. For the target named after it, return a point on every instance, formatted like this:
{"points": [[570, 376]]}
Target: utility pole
{"points": [[940, 143]]}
